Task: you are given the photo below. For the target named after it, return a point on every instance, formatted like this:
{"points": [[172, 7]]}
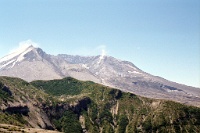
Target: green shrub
{"points": [[123, 122], [69, 123]]}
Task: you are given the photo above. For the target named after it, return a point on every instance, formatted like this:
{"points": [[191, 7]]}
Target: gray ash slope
{"points": [[34, 64]]}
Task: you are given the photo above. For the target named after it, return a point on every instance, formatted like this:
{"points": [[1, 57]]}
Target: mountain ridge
{"points": [[35, 64]]}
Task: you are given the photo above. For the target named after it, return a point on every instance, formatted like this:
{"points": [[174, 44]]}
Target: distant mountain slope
{"points": [[33, 63]]}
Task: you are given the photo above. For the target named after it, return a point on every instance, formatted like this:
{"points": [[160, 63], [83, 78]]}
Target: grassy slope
{"points": [[114, 111]]}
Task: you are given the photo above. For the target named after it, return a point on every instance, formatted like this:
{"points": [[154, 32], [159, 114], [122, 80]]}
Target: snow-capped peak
{"points": [[17, 55], [24, 47]]}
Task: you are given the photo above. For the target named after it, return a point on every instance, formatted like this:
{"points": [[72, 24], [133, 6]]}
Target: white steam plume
{"points": [[23, 45]]}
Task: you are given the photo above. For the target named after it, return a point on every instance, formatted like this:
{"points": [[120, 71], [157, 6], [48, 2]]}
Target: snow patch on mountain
{"points": [[135, 72], [21, 56], [17, 55], [85, 66], [6, 64], [23, 47]]}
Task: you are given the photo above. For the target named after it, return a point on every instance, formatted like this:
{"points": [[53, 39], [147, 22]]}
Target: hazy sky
{"points": [[160, 37]]}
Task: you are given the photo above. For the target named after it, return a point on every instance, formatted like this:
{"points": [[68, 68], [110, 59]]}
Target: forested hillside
{"points": [[74, 106], [112, 110]]}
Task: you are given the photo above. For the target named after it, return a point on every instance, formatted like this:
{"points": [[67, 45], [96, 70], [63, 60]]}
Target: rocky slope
{"points": [[34, 64], [22, 104]]}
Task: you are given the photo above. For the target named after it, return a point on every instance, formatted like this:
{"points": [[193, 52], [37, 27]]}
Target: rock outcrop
{"points": [[24, 110]]}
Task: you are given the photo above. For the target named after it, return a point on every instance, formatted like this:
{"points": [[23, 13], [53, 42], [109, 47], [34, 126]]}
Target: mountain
{"points": [[74, 106], [32, 63]]}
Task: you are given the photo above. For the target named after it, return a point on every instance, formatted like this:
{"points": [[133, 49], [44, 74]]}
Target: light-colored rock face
{"points": [[34, 64]]}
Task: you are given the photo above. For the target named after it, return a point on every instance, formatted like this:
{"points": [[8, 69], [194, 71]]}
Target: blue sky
{"points": [[160, 37]]}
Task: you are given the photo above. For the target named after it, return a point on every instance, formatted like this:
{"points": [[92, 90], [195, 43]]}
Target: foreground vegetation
{"points": [[74, 106], [114, 111]]}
